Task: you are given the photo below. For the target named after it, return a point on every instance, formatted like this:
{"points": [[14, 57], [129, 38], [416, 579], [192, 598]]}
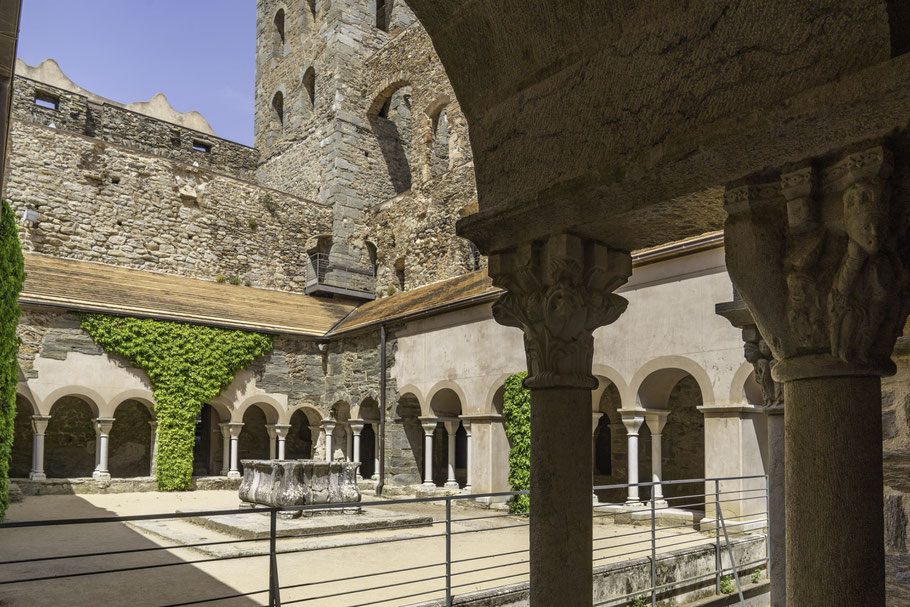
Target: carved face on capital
{"points": [[866, 216], [564, 312]]}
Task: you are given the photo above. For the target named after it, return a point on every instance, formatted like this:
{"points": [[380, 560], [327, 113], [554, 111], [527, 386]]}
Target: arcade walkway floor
{"points": [[421, 556]]}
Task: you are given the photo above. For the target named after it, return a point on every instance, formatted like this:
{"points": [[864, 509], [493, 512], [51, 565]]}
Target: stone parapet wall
{"points": [[110, 204], [113, 124]]}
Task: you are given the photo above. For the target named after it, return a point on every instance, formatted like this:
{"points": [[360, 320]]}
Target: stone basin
{"points": [[284, 483]]}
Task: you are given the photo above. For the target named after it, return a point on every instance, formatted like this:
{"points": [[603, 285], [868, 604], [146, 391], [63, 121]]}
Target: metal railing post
{"points": [[274, 591], [734, 568], [768, 526], [653, 551], [717, 569], [448, 552]]}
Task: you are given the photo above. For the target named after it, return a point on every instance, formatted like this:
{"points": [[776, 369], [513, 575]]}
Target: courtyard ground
{"points": [[415, 554]]}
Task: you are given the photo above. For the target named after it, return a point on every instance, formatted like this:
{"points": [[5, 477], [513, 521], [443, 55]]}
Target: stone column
{"points": [[470, 455], [97, 445], [153, 464], [225, 447], [819, 257], [273, 440], [632, 422], [349, 442], [281, 431], [104, 431], [558, 292], [758, 353], [451, 429], [429, 427], [376, 451], [328, 427], [234, 428], [356, 427], [656, 421], [315, 435], [39, 426]]}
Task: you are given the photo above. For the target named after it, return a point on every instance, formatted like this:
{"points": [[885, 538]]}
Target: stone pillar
{"points": [[97, 445], [451, 429], [633, 422], [104, 431], [225, 447], [281, 431], [356, 427], [558, 292], [315, 435], [39, 426], [349, 442], [376, 450], [656, 421], [328, 427], [273, 440], [470, 455], [429, 427], [234, 428], [153, 464], [819, 258]]}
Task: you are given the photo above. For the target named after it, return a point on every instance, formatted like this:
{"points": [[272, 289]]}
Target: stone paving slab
{"points": [[256, 526]]}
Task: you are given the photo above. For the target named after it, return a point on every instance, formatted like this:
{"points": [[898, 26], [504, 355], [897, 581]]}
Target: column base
{"points": [[451, 485], [37, 476], [427, 485], [233, 474], [375, 477], [659, 503], [467, 490], [98, 475]]}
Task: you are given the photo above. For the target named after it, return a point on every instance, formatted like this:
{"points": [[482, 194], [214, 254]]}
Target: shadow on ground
{"points": [[172, 580]]}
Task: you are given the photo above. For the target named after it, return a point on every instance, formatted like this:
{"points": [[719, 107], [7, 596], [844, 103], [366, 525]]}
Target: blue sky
{"points": [[200, 53]]}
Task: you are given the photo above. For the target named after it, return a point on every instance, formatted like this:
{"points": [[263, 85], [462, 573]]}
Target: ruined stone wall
{"points": [[383, 128], [76, 113], [100, 202]]}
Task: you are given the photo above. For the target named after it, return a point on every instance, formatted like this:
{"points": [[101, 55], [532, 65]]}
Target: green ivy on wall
{"points": [[188, 366], [516, 410], [12, 274]]}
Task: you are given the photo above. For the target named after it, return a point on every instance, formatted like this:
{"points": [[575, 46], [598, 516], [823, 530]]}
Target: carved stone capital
{"points": [[820, 257], [557, 293], [759, 355]]}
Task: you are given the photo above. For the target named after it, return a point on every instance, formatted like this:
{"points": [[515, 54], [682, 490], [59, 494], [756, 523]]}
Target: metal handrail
{"points": [[659, 545]]}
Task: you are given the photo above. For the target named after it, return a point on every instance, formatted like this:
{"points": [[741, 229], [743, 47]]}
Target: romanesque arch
{"points": [[391, 121], [70, 439], [130, 448], [299, 443]]}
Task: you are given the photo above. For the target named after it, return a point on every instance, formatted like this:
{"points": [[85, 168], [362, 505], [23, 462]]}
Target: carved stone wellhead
{"points": [[299, 483]]}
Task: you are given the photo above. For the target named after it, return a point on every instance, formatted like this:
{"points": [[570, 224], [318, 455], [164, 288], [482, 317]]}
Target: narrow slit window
{"points": [[279, 25], [51, 102], [202, 146], [382, 15], [309, 85], [278, 107]]}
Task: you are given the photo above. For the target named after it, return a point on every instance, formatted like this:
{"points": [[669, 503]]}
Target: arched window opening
{"points": [[371, 256], [392, 127], [278, 106], [23, 439], [312, 4], [475, 257], [399, 273], [603, 449], [130, 441], [309, 85], [208, 452], [383, 8], [439, 152], [279, 25]]}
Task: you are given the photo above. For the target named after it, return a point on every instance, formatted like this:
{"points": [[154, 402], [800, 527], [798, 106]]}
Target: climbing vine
{"points": [[12, 274], [188, 366], [516, 410]]}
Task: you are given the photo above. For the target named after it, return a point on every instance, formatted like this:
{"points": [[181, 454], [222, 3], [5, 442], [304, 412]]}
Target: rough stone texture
{"points": [[896, 467], [299, 483], [344, 148], [69, 443], [78, 114], [105, 203]]}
